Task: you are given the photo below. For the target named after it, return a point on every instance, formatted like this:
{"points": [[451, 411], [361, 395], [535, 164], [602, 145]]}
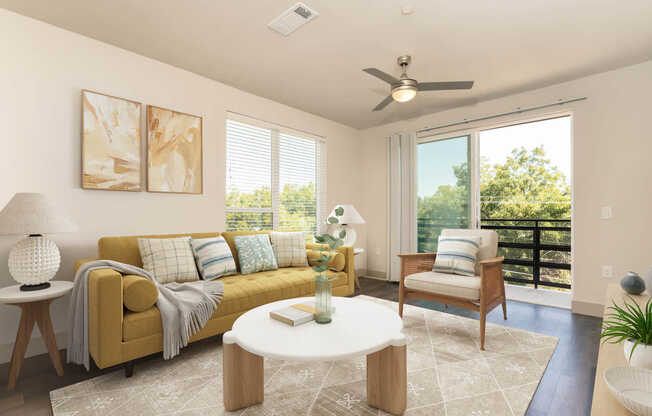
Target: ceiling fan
{"points": [[404, 88]]}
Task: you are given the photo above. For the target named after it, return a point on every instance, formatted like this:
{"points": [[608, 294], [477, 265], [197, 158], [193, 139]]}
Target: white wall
{"points": [[612, 165], [43, 71]]}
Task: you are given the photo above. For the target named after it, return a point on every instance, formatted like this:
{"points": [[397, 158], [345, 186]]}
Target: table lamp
{"points": [[350, 216], [34, 260]]}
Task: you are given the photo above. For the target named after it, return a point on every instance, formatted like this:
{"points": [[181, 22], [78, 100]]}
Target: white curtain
{"points": [[402, 221]]}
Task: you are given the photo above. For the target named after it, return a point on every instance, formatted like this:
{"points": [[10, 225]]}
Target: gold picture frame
{"points": [[111, 143], [174, 152]]}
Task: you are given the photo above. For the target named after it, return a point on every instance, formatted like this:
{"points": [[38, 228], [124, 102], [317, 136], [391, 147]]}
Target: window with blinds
{"points": [[275, 178]]}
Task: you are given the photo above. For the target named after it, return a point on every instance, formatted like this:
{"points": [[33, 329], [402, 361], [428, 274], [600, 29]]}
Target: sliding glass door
{"points": [[443, 188]]}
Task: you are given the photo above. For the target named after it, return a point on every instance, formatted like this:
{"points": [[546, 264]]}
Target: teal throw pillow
{"points": [[255, 253]]}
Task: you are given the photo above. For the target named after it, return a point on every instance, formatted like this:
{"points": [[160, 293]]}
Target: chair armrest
{"points": [[493, 260], [416, 263]]}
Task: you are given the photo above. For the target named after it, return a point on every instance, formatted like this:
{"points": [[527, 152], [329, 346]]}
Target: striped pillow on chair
{"points": [[213, 257], [457, 255]]}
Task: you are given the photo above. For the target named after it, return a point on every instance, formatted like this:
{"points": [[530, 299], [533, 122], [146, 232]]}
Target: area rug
{"points": [[448, 375]]}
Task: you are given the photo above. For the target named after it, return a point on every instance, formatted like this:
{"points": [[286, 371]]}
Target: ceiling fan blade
{"points": [[383, 103], [441, 86], [382, 75]]}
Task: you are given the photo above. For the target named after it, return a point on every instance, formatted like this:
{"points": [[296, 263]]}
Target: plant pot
{"points": [[642, 356], [323, 294]]}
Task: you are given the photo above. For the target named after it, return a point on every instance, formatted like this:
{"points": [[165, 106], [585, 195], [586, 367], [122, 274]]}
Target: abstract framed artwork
{"points": [[111, 142], [174, 152]]}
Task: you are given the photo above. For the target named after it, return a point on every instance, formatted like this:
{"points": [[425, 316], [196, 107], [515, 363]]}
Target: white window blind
{"points": [[275, 178]]}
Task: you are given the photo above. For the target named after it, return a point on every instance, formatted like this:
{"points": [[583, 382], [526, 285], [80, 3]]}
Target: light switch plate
{"points": [[607, 272], [605, 213]]}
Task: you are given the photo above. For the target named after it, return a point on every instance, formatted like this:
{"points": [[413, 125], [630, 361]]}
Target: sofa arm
{"points": [[105, 317], [349, 265], [78, 264]]}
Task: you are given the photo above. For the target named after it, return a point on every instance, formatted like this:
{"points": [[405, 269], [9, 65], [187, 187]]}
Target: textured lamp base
{"points": [[31, 288]]}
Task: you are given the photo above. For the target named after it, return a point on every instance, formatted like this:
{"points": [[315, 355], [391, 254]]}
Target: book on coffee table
{"points": [[295, 314]]}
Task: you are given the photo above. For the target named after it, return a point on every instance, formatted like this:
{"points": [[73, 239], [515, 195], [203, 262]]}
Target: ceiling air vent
{"points": [[293, 18]]}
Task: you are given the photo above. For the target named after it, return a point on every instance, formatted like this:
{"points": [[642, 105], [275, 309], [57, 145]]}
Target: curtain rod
{"points": [[517, 111]]}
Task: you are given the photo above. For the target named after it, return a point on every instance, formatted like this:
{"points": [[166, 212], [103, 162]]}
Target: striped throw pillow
{"points": [[457, 255], [213, 257]]}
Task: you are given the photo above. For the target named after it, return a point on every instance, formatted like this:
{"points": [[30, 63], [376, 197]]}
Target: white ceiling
{"points": [[506, 46]]}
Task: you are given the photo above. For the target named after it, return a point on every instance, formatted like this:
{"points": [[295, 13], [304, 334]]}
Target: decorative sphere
{"points": [[34, 260], [632, 284]]}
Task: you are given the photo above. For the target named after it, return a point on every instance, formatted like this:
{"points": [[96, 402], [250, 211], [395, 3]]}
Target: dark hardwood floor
{"points": [[565, 390]]}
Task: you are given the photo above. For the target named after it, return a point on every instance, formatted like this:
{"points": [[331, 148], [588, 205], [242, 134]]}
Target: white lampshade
{"points": [[351, 215], [32, 213]]}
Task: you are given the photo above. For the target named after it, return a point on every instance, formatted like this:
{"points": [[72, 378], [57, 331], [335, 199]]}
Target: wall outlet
{"points": [[605, 213], [377, 251], [607, 272]]}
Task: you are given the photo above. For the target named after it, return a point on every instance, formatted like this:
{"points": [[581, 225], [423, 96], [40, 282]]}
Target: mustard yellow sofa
{"points": [[118, 335]]}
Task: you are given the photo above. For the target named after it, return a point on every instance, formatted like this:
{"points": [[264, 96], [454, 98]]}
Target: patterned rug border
{"points": [[443, 380]]}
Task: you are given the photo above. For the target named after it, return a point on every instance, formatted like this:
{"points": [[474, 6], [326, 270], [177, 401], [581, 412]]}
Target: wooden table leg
{"points": [[243, 374], [387, 379], [39, 313]]}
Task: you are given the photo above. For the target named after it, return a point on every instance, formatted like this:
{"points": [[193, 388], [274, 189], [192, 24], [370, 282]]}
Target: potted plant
{"points": [[631, 325], [323, 284]]}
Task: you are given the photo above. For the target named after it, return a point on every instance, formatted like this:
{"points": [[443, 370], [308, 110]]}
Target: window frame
{"points": [[275, 188]]}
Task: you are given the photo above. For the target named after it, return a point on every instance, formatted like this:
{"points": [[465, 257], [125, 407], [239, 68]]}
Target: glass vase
{"points": [[323, 294]]}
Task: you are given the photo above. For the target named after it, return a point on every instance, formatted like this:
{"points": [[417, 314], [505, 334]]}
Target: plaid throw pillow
{"points": [[289, 249], [168, 259], [457, 255]]}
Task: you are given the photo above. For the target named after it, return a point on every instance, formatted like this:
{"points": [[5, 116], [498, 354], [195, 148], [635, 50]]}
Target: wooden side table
{"points": [[35, 308]]}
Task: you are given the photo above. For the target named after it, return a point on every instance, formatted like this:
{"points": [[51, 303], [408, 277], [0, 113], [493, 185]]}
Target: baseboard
{"points": [[588, 308], [35, 347], [375, 275]]}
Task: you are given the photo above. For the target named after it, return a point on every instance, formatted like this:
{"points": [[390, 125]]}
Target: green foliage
{"points": [[298, 209], [525, 186], [333, 243], [628, 322]]}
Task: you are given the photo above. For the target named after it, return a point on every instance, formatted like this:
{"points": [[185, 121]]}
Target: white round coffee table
{"points": [[359, 327]]}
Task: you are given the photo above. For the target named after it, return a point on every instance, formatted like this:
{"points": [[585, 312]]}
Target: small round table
{"points": [[35, 308], [359, 327]]}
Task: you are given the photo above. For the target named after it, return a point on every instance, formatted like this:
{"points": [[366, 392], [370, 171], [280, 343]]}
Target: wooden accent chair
{"points": [[481, 293]]}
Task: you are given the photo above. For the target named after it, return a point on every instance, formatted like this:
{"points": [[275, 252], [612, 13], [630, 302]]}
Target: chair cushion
{"points": [[168, 259], [213, 256], [467, 287], [488, 244], [289, 248], [138, 293], [241, 293]]}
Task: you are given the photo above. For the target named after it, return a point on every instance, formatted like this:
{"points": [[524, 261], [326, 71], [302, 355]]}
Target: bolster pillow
{"points": [[337, 263], [138, 293]]}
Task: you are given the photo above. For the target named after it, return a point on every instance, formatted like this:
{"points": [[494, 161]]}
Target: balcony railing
{"points": [[537, 251]]}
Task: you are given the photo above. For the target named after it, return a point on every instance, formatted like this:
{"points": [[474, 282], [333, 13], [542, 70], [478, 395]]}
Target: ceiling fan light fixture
{"points": [[404, 93]]}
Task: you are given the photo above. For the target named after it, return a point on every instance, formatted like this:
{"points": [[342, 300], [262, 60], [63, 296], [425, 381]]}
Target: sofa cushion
{"points": [[125, 249], [138, 293], [229, 236], [255, 253], [336, 263], [241, 293], [213, 256], [467, 287], [168, 259], [289, 248]]}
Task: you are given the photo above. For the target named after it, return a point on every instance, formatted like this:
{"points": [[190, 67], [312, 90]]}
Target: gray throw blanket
{"points": [[185, 308]]}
